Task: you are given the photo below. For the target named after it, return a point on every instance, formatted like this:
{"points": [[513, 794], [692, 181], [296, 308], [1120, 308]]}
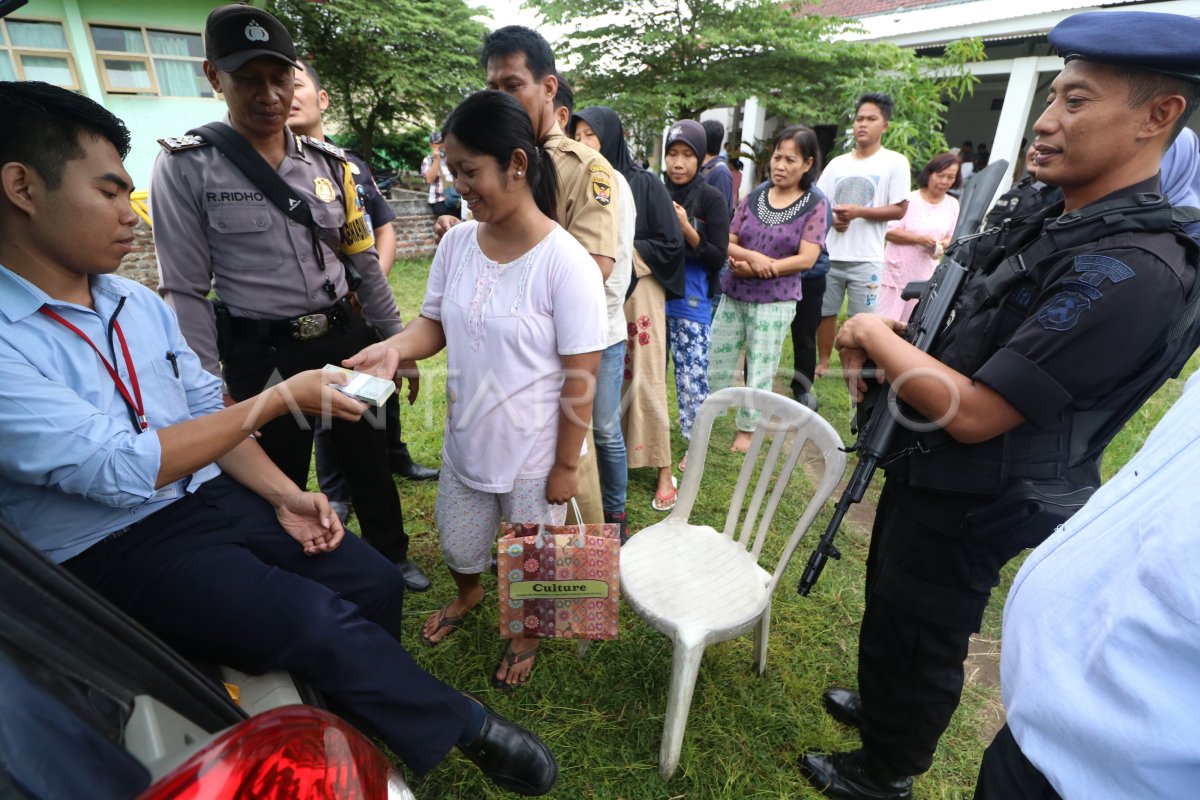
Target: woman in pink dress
{"points": [[915, 243]]}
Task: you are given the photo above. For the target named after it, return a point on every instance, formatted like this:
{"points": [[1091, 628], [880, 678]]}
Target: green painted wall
{"points": [[148, 118]]}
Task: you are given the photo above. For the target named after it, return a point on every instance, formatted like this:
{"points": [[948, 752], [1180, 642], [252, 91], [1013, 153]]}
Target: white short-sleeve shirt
{"points": [[881, 179], [507, 327]]}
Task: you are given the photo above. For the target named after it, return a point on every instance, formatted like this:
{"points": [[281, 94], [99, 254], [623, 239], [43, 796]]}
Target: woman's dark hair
{"points": [[43, 124], [495, 124], [806, 142], [938, 163]]}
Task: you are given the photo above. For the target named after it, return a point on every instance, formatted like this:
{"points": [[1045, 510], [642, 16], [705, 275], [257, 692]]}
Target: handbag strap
{"points": [[574, 506]]}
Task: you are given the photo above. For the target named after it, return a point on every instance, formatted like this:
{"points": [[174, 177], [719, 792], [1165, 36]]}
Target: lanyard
{"points": [[134, 402]]}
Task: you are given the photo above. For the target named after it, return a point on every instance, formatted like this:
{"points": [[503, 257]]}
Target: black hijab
{"points": [[657, 236]]}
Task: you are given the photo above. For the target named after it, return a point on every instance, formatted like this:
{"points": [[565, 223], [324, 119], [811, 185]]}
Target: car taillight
{"points": [[290, 752]]}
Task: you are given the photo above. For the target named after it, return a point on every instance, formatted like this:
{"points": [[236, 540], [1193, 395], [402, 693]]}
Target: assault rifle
{"points": [[937, 297]]}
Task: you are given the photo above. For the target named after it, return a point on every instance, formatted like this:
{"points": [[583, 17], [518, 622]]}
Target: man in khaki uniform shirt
{"points": [[520, 63], [284, 288]]}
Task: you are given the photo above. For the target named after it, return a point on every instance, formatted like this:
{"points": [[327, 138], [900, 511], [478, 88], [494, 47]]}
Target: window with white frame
{"points": [[36, 50], [149, 61]]}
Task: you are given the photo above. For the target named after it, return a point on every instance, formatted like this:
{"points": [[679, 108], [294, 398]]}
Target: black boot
{"points": [[403, 465], [848, 776], [844, 705]]}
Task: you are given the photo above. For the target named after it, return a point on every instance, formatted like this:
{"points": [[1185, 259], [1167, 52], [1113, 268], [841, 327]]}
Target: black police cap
{"points": [[235, 34], [1165, 43]]}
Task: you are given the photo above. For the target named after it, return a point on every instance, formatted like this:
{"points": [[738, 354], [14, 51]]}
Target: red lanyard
{"points": [[134, 402]]}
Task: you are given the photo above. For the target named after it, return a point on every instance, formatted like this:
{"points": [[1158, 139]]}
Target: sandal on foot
{"points": [[445, 620], [665, 502], [510, 659]]}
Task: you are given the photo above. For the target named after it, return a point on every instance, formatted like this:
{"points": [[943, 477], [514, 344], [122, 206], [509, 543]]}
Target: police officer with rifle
{"points": [[1066, 322]]}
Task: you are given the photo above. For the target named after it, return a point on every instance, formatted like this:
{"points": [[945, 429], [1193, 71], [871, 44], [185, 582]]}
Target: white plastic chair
{"points": [[699, 586]]}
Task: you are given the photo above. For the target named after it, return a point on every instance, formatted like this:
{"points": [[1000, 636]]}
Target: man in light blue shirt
{"points": [[1101, 662], [119, 461]]}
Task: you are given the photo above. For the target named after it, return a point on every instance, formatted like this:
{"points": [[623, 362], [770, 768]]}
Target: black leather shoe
{"points": [[512, 757], [414, 579], [844, 705], [403, 465], [846, 776]]}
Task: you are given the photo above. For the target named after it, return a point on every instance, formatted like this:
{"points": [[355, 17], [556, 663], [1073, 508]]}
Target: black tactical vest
{"points": [[1009, 269]]}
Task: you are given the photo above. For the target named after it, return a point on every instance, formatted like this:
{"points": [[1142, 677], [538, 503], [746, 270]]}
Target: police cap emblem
{"points": [[257, 33]]}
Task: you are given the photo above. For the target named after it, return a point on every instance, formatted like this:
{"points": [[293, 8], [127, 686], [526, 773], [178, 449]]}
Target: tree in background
{"points": [[387, 66], [660, 60]]}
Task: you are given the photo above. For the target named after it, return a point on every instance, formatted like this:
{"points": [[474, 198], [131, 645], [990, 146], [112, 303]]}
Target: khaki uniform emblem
{"points": [[323, 189], [601, 189]]}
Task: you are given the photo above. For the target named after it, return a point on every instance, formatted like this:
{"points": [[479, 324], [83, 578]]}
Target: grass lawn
{"points": [[603, 713]]}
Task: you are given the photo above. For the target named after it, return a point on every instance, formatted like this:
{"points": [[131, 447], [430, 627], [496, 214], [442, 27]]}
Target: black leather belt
{"points": [[303, 328]]}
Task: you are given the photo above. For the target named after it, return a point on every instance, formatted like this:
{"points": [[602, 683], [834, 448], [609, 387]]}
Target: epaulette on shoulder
{"points": [[325, 147], [174, 144]]}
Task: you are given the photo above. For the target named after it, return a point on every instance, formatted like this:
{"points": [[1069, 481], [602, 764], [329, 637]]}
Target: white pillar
{"points": [[1014, 115], [754, 124]]}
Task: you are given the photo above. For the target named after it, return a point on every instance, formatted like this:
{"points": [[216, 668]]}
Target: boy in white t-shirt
{"points": [[868, 188]]}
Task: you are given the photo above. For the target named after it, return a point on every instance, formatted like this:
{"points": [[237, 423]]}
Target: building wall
{"points": [[148, 117]]}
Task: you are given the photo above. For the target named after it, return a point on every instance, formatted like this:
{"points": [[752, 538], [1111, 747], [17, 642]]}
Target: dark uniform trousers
{"points": [[361, 447], [928, 584], [1006, 774], [215, 577], [804, 333]]}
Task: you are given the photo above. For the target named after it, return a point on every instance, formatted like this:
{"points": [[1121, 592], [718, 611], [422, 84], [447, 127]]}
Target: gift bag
{"points": [[560, 581]]}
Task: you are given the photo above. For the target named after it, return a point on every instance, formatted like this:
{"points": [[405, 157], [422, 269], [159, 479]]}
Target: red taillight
{"points": [[290, 752]]}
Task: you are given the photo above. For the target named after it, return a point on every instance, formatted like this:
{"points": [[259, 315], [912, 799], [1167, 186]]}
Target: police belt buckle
{"points": [[310, 326]]}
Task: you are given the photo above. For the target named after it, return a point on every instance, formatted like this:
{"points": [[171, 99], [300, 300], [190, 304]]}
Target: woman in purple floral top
{"points": [[776, 234]]}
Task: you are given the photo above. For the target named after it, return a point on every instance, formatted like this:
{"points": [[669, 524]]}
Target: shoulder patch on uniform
{"points": [[174, 144], [601, 187], [1095, 268], [1062, 313], [323, 146]]}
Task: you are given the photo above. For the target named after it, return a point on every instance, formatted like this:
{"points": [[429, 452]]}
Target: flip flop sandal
{"points": [[666, 502], [510, 659], [444, 621]]}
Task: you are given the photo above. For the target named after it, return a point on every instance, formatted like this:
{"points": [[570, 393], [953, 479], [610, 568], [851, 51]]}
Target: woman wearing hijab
{"points": [[704, 217], [657, 275]]}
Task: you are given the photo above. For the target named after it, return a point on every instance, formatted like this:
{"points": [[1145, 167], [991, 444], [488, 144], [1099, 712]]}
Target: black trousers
{"points": [[804, 334], [928, 584], [215, 577], [361, 447], [1006, 773], [329, 471]]}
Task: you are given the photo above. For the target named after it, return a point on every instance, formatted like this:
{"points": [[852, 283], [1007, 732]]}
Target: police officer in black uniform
{"points": [[1027, 196], [284, 284], [1043, 359]]}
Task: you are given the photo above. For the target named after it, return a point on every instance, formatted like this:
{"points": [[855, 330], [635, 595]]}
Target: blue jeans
{"points": [[606, 424]]}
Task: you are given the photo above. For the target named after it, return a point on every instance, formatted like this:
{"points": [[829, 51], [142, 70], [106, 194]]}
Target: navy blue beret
{"points": [[1166, 43]]}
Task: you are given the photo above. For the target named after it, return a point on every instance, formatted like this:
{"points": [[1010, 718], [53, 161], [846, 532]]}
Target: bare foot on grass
{"points": [[741, 442]]}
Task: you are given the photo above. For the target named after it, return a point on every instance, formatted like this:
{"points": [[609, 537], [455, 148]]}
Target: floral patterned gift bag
{"points": [[560, 581]]}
